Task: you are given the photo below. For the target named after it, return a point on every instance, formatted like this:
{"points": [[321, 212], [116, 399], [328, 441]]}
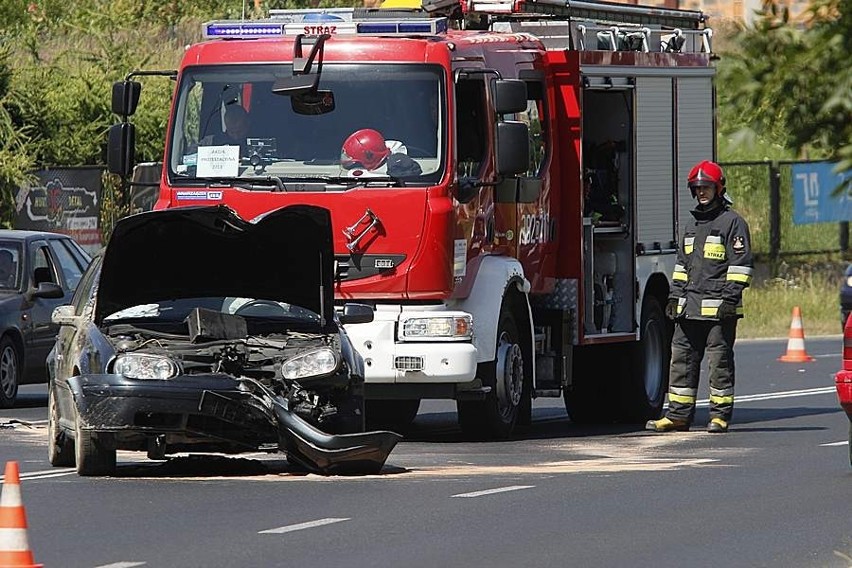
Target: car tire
{"points": [[10, 372], [94, 452], [60, 448]]}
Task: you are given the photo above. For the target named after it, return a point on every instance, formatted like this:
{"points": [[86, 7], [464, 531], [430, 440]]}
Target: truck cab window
{"points": [[471, 117], [536, 119]]}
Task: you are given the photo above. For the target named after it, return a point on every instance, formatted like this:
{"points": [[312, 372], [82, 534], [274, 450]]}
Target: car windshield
{"points": [[176, 311], [10, 266], [229, 124]]}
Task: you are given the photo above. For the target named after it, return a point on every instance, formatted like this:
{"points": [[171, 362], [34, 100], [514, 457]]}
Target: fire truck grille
{"points": [[405, 363]]}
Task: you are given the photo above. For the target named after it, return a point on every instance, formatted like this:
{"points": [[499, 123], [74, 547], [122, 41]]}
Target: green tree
{"points": [[14, 160], [791, 86]]}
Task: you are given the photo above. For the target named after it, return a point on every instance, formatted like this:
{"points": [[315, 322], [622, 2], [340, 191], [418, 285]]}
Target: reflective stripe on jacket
{"points": [[714, 263]]}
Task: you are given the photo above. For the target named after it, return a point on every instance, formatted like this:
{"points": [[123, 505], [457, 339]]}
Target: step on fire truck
{"points": [[508, 204]]}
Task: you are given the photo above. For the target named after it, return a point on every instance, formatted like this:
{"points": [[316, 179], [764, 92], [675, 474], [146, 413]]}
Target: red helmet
{"points": [[366, 148], [706, 173]]}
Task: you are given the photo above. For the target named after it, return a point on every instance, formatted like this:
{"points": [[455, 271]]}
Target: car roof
{"points": [[19, 235]]}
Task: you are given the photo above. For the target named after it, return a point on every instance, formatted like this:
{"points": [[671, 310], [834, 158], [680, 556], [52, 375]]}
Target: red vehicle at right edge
{"points": [[527, 247], [843, 380]]}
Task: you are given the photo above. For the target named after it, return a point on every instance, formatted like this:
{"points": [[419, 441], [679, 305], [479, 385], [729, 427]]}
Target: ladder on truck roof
{"points": [[582, 25], [588, 25]]}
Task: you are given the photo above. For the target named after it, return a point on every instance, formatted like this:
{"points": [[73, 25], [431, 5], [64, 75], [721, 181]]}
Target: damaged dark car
{"points": [[197, 331]]}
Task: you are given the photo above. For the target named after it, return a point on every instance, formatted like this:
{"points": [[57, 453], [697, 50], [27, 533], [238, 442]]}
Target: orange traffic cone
{"points": [[796, 344], [14, 549]]}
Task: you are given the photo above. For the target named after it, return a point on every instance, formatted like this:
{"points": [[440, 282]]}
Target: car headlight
{"points": [[447, 328], [311, 364], [849, 281], [144, 366]]}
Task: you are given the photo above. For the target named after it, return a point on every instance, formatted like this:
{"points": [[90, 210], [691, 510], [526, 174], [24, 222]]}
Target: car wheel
{"points": [[94, 452], [10, 372], [60, 448], [495, 417], [396, 415]]}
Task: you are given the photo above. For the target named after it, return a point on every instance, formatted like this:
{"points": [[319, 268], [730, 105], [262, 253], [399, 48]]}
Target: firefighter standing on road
{"points": [[714, 265]]}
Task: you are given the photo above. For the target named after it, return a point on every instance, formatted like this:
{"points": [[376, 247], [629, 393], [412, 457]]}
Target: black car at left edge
{"points": [[198, 331], [38, 271]]}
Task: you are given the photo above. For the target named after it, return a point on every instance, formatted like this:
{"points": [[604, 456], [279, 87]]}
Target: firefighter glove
{"points": [[671, 309], [727, 310]]}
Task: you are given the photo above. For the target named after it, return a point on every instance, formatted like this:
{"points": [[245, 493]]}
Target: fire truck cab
{"points": [[505, 180]]}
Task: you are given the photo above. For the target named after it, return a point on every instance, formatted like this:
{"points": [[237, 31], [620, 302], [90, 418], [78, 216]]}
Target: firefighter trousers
{"points": [[691, 340]]}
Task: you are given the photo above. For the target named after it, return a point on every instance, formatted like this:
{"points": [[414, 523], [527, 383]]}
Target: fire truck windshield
{"points": [[229, 123]]}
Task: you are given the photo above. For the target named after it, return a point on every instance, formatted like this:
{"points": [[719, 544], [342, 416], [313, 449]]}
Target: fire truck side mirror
{"points": [[125, 97], [121, 148], [513, 148], [510, 96]]}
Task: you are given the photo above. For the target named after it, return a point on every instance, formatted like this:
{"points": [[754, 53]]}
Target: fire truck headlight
{"points": [[316, 363], [143, 366], [442, 328]]}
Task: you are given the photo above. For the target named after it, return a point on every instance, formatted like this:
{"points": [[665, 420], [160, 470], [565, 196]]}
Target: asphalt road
{"points": [[775, 491]]}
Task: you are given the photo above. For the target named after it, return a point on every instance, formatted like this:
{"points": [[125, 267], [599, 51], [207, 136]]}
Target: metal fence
{"points": [[763, 195]]}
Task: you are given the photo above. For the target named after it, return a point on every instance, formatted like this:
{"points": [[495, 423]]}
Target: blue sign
{"points": [[813, 202]]}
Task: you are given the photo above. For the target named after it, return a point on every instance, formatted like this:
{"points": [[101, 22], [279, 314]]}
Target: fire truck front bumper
{"points": [[389, 360]]}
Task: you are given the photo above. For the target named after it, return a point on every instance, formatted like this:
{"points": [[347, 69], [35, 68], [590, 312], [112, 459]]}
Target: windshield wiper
{"points": [[255, 182]]}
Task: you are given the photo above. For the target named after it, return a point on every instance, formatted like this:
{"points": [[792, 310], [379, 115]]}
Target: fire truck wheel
{"points": [[395, 415], [648, 378], [495, 417]]}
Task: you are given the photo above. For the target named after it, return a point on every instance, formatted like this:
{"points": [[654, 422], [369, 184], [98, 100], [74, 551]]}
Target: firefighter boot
{"points": [[664, 424], [717, 426]]}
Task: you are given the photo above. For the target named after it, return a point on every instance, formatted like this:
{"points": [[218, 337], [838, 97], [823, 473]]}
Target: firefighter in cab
{"points": [[714, 265], [366, 153]]}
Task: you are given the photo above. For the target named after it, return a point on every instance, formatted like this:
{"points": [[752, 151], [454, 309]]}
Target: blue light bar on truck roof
{"points": [[266, 28]]}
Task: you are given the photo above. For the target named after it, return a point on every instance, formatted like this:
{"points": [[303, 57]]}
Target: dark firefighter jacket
{"points": [[714, 263]]}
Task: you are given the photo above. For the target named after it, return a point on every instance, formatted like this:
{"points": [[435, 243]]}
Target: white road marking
{"points": [[843, 443], [774, 395], [49, 475], [55, 472], [493, 491], [302, 526], [122, 565]]}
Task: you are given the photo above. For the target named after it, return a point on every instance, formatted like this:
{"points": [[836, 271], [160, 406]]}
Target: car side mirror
{"points": [[356, 313], [63, 315], [47, 290]]}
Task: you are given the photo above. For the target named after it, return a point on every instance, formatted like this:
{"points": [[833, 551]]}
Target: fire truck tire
{"points": [[395, 415], [648, 376], [496, 416]]}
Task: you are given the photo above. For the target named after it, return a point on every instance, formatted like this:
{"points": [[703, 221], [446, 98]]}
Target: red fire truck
{"points": [[509, 201]]}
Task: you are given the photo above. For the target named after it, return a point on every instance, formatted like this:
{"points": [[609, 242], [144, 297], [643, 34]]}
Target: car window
{"points": [[71, 268], [43, 269], [83, 257], [10, 265], [85, 291]]}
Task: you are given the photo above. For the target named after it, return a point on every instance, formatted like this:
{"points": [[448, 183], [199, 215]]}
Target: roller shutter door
{"points": [[655, 214]]}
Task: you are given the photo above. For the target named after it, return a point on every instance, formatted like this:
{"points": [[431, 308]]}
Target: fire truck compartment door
{"points": [[655, 152]]}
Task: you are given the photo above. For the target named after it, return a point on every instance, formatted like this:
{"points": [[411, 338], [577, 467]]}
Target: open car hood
{"points": [[285, 255]]}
